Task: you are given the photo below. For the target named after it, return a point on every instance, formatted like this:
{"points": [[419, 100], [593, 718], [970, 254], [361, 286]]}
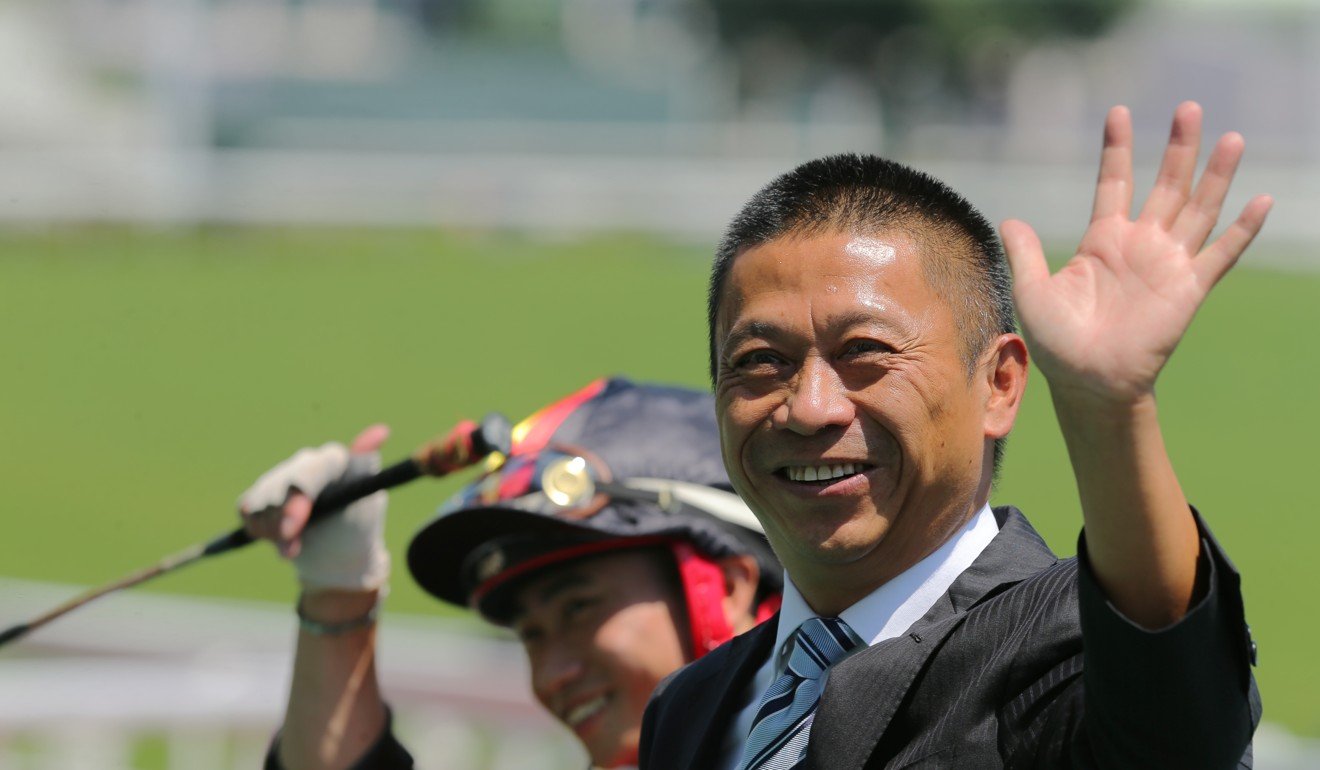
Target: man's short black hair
{"points": [[863, 195]]}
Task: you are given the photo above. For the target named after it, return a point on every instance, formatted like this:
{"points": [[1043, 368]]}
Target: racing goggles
{"points": [[563, 482], [570, 483]]}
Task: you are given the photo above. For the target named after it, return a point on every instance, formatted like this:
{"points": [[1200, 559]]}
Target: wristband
{"points": [[318, 628]]}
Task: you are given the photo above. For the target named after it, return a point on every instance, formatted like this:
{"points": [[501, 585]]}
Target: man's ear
{"points": [[741, 577], [1005, 373]]}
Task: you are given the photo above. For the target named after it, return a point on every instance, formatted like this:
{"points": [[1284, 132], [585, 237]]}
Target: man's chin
{"points": [[614, 749], [624, 755], [852, 540], [840, 551]]}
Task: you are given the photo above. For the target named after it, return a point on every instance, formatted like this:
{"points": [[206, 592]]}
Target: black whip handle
{"points": [[335, 497]]}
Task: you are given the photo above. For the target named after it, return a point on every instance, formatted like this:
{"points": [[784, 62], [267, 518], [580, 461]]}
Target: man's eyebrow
{"points": [[845, 320], [750, 330], [558, 584]]}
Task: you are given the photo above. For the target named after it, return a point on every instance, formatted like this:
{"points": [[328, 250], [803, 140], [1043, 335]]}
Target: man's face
{"points": [[848, 420], [600, 634]]}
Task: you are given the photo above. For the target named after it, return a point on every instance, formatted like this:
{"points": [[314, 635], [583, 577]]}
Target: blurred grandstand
{"points": [[608, 114], [550, 116]]}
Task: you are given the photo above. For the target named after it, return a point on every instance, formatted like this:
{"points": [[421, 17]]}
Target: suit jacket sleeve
{"points": [[385, 754], [1181, 696]]}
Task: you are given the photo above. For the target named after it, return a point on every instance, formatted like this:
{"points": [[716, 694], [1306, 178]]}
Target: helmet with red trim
{"points": [[616, 465]]}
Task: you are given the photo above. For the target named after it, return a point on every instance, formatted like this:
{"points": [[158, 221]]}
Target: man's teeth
{"points": [[580, 714], [821, 472]]}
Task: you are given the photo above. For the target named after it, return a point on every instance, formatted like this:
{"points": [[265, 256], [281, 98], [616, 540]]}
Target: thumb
{"points": [[370, 439], [1026, 258]]}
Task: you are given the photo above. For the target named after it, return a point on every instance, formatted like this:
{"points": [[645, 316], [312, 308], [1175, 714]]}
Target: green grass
{"points": [[149, 377]]}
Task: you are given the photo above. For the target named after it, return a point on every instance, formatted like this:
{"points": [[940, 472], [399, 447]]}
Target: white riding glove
{"points": [[344, 550]]}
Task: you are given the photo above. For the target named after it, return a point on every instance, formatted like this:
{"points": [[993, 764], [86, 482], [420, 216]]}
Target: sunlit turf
{"points": [[148, 377]]}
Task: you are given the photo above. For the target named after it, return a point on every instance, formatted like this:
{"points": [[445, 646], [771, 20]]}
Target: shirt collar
{"points": [[891, 609]]}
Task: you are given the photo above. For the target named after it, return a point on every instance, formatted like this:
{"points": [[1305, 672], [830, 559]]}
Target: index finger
{"points": [[1113, 188], [297, 511]]}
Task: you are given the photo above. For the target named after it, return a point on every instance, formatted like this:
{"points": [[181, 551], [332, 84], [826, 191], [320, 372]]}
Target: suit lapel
{"points": [[864, 691], [711, 717]]}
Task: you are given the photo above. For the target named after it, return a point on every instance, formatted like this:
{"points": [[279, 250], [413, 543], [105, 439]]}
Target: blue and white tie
{"points": [[778, 739]]}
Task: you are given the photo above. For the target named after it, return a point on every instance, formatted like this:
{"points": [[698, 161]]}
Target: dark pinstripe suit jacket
{"points": [[993, 676]]}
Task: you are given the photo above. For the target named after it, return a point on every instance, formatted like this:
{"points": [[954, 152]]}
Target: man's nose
{"points": [[818, 400], [552, 671]]}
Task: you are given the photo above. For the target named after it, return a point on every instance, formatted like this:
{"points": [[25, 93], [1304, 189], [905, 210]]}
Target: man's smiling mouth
{"points": [[584, 711], [822, 473]]}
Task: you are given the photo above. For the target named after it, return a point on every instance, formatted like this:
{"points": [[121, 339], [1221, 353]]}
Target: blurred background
{"points": [[230, 228]]}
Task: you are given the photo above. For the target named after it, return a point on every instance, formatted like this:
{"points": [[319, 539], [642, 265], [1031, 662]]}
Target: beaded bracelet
{"points": [[318, 628]]}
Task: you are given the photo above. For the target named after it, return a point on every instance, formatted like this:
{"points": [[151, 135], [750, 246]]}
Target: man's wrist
{"points": [[1088, 411], [336, 606]]}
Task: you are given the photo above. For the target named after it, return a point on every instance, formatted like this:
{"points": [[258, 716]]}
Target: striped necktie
{"points": [[778, 739]]}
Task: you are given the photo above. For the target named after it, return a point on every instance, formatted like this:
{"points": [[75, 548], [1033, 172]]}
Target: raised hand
{"points": [[1104, 325], [344, 552]]}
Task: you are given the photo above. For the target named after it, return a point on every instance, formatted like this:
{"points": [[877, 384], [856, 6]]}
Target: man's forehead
{"points": [[550, 582], [554, 580], [864, 271], [792, 252]]}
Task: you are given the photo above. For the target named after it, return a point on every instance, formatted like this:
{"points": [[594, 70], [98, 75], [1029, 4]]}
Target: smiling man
{"points": [[867, 372], [608, 540]]}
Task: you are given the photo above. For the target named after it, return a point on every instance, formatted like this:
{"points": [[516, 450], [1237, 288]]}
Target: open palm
{"points": [[1106, 323]]}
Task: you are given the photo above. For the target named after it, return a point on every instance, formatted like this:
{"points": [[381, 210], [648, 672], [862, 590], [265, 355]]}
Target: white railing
{"points": [[178, 683]]}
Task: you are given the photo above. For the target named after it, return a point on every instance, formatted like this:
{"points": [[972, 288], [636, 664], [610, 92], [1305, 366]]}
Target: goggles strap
{"points": [[717, 503], [703, 588]]}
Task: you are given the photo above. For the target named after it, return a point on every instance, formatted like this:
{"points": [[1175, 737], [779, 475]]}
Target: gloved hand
{"points": [[344, 550]]}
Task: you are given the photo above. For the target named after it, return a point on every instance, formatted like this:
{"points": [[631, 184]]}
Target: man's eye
{"points": [[758, 358], [865, 347], [575, 608]]}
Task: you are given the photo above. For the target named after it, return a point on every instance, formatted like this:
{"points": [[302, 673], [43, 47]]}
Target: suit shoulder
{"points": [[1057, 578], [1044, 602], [691, 676], [693, 682], [692, 696]]}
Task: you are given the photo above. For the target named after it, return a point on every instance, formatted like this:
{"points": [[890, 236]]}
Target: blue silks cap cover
{"points": [[615, 465]]}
